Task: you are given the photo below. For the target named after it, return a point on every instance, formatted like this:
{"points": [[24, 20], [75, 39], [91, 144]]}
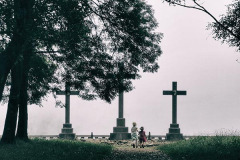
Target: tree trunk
{"points": [[27, 49], [23, 111], [11, 118], [22, 132], [7, 60], [3, 73], [22, 42]]}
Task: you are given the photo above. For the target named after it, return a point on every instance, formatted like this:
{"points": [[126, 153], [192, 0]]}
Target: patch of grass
{"points": [[204, 148], [53, 150]]}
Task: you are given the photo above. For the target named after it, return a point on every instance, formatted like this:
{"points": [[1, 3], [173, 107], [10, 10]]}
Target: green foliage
{"points": [[41, 75], [40, 78], [230, 20], [53, 150], [204, 147], [6, 22], [86, 39]]}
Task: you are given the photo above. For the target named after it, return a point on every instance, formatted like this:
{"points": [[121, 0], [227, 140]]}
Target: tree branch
{"points": [[226, 28], [179, 4], [201, 8], [47, 52]]}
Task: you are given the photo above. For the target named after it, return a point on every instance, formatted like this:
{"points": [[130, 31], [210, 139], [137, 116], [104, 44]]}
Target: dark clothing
{"points": [[142, 136]]}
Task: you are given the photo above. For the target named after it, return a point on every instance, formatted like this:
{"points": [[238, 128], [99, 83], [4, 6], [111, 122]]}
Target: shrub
{"points": [[204, 148]]}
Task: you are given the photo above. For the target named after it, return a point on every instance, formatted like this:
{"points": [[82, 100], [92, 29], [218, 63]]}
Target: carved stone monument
{"points": [[67, 130], [120, 132], [174, 130]]}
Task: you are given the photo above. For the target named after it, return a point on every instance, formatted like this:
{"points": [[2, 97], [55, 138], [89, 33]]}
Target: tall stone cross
{"points": [[120, 132], [67, 130], [174, 130]]}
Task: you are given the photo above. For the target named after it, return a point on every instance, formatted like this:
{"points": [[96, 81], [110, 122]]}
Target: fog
{"points": [[204, 67]]}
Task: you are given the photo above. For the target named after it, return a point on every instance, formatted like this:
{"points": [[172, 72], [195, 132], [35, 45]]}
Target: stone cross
{"points": [[120, 132], [67, 130], [67, 94], [174, 92], [174, 130]]}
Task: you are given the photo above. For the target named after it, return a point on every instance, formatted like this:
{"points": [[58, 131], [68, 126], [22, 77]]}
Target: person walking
{"points": [[134, 136], [142, 137]]}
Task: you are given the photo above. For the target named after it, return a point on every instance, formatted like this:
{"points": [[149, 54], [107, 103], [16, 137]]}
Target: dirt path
{"points": [[124, 151], [128, 153]]}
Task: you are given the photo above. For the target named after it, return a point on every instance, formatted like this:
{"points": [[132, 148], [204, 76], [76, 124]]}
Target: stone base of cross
{"points": [[67, 132], [174, 133], [120, 132]]}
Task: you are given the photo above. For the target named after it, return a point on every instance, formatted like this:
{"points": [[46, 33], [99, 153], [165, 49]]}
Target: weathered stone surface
{"points": [[67, 125], [174, 136], [121, 122], [120, 129], [70, 136], [174, 133], [174, 125], [120, 136], [67, 132]]}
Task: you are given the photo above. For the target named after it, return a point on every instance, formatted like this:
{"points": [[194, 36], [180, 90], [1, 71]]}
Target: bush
{"points": [[204, 148]]}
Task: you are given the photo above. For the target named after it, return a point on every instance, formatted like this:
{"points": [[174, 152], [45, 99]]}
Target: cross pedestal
{"points": [[120, 132], [67, 130], [174, 130]]}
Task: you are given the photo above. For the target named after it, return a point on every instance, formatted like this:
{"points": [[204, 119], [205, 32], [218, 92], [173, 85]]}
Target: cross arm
{"points": [[172, 93], [60, 93], [181, 92], [167, 92], [74, 92], [64, 93]]}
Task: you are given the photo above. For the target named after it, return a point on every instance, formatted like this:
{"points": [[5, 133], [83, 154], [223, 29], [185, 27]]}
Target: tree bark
{"points": [[21, 43], [4, 71], [11, 117], [22, 130], [7, 60], [23, 111]]}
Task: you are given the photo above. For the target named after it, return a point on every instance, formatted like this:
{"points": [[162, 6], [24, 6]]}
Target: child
{"points": [[134, 135], [142, 137]]}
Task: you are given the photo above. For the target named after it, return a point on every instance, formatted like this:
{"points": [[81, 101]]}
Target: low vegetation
{"points": [[199, 148], [204, 148], [53, 150]]}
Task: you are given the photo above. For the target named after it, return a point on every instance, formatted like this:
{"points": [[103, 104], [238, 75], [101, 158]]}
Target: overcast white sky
{"points": [[204, 67]]}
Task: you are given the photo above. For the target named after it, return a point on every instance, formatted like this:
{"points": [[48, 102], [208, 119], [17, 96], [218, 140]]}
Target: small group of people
{"points": [[138, 135]]}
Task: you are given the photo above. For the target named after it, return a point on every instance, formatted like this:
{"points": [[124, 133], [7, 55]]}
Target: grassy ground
{"points": [[200, 148], [54, 150], [89, 149], [204, 148]]}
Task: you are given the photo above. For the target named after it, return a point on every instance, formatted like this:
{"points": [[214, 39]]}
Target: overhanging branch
{"points": [[201, 8], [226, 28]]}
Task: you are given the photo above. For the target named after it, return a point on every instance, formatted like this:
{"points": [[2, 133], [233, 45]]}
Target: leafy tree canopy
{"points": [[230, 20], [40, 80], [84, 40]]}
